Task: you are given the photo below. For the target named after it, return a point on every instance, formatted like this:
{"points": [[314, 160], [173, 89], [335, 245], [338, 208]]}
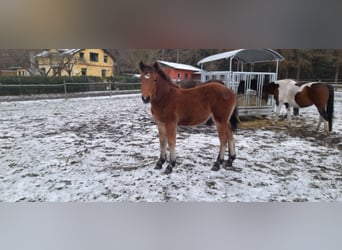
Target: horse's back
{"points": [[210, 94], [216, 89], [316, 92]]}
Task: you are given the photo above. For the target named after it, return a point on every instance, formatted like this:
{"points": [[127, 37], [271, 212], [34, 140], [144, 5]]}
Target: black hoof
{"points": [[168, 170], [216, 166], [159, 164], [230, 161]]}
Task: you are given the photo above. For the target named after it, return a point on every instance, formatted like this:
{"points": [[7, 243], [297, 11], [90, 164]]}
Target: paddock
{"points": [[105, 149]]}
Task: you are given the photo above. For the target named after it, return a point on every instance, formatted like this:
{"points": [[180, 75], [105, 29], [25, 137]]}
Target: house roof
{"points": [[66, 52], [179, 66], [246, 56]]}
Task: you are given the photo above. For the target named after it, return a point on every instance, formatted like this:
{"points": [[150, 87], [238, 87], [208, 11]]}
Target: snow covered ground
{"points": [[105, 149]]}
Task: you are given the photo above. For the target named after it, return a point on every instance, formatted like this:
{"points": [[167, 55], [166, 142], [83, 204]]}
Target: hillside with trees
{"points": [[301, 64]]}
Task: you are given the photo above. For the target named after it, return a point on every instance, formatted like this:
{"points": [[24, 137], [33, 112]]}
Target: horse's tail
{"points": [[234, 119], [330, 106]]}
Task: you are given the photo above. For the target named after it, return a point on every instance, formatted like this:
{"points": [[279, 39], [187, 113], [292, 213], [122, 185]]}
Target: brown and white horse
{"points": [[300, 95], [172, 106]]}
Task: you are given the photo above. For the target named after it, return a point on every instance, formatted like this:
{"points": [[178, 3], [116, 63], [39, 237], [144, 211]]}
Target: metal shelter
{"points": [[250, 102]]}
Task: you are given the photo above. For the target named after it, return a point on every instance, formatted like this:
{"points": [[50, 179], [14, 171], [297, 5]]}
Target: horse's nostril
{"points": [[146, 99]]}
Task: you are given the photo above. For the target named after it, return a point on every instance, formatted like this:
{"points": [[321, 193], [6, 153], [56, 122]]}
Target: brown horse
{"points": [[172, 106], [301, 95], [191, 83]]}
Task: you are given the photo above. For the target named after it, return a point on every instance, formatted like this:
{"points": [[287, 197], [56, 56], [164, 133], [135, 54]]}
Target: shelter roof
{"points": [[246, 56]]}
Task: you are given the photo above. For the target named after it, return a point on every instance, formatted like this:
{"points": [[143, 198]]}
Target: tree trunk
{"points": [[298, 71], [337, 66], [337, 71]]}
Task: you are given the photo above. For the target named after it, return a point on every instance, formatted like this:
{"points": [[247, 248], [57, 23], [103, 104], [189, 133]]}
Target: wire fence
{"points": [[17, 92], [64, 88]]}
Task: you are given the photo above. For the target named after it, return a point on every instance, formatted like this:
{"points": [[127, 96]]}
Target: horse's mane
{"points": [[163, 74], [166, 77]]}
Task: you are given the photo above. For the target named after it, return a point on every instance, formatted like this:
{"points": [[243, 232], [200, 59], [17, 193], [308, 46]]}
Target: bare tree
{"points": [[20, 58], [338, 60], [129, 59], [69, 63], [304, 60], [55, 63]]}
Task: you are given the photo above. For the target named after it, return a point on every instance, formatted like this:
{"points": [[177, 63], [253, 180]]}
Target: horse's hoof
{"points": [[168, 170], [230, 161], [158, 166], [159, 163], [216, 167]]}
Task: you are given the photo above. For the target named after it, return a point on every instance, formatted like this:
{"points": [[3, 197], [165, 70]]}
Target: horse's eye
{"points": [[148, 76]]}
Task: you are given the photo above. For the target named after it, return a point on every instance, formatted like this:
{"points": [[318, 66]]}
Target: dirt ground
{"points": [[105, 149]]}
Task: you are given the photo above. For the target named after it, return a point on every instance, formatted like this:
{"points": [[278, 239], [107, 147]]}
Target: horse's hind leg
{"points": [[231, 147], [222, 130], [320, 120], [171, 139]]}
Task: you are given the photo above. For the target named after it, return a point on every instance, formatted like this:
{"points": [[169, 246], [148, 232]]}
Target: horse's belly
{"points": [[192, 120]]}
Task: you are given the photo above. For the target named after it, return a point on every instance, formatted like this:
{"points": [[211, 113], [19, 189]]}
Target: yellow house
{"points": [[75, 62]]}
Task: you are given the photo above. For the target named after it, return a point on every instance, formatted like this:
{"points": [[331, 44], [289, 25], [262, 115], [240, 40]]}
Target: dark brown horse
{"points": [[187, 83], [172, 106], [301, 95], [253, 85], [191, 83]]}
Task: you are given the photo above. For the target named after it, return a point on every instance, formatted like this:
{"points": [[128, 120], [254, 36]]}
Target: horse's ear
{"points": [[141, 66], [156, 66]]}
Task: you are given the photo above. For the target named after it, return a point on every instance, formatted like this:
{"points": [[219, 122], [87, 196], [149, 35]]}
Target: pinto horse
{"points": [[172, 106], [300, 95]]}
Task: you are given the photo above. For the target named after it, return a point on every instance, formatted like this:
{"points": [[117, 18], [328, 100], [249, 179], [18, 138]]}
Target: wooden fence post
{"points": [[65, 90]]}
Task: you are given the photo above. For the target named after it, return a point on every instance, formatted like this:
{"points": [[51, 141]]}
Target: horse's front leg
{"points": [[277, 112], [289, 118], [163, 142], [171, 140]]}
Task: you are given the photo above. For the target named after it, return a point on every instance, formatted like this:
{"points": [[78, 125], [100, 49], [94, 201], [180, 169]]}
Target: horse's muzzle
{"points": [[146, 99]]}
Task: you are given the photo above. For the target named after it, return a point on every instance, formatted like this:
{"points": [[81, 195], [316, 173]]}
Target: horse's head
{"points": [[148, 78]]}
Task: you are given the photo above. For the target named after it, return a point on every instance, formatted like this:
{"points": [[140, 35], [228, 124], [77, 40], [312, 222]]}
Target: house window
{"points": [[81, 55], [186, 76], [84, 71], [105, 59], [94, 57], [179, 75], [103, 73]]}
